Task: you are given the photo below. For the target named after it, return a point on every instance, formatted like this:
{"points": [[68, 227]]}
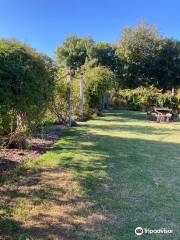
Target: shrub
{"points": [[142, 98], [59, 102], [98, 81], [26, 84]]}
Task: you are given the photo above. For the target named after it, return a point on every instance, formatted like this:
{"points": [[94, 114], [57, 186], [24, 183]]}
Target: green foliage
{"points": [[98, 81], [97, 84], [74, 52], [59, 103], [137, 44], [26, 84], [137, 48], [142, 98], [148, 59], [103, 54], [167, 64]]}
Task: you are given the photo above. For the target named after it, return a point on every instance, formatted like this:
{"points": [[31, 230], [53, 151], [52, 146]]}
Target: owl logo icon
{"points": [[139, 231]]}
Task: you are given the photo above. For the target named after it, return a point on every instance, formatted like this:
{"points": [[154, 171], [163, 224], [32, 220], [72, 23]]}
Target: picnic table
{"points": [[160, 114]]}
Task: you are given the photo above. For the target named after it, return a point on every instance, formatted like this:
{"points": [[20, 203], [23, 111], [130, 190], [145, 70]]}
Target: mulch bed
{"points": [[37, 144]]}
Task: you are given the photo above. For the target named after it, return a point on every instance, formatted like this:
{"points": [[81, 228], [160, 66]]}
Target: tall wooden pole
{"points": [[69, 77], [81, 95], [173, 92]]}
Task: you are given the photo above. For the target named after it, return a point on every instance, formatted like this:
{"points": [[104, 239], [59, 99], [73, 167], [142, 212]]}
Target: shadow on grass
{"points": [[10, 228], [6, 166], [135, 167]]}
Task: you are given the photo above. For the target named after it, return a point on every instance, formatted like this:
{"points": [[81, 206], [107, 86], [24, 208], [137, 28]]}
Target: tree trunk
{"points": [[18, 134]]}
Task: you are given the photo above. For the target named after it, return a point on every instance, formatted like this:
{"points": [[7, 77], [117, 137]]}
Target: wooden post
{"points": [[173, 93], [81, 96], [69, 77]]}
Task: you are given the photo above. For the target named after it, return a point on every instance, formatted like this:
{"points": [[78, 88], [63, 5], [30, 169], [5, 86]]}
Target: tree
{"points": [[103, 54], [74, 52], [26, 84], [167, 64], [137, 49]]}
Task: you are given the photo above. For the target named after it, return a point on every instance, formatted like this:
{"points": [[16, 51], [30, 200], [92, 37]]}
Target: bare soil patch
{"points": [[37, 144]]}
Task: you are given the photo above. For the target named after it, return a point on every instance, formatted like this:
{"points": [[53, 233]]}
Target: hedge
{"points": [[142, 98]]}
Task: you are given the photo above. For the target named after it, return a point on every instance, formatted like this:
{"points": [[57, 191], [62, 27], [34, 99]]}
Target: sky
{"points": [[44, 24]]}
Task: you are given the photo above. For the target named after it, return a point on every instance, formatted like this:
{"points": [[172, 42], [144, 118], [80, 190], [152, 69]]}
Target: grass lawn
{"points": [[100, 181]]}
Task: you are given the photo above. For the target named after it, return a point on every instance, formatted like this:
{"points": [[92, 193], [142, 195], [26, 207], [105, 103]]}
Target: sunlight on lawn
{"points": [[100, 181]]}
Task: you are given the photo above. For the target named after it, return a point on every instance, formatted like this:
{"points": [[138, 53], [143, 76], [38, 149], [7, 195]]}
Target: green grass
{"points": [[100, 181]]}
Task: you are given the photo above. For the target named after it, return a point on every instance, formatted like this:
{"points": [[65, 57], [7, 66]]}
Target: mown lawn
{"points": [[100, 181]]}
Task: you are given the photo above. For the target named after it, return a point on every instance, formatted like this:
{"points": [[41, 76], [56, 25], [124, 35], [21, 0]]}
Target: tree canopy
{"points": [[74, 52], [138, 48]]}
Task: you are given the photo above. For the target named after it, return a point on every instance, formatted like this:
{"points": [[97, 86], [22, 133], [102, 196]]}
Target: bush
{"points": [[59, 103], [26, 84], [98, 81], [142, 98]]}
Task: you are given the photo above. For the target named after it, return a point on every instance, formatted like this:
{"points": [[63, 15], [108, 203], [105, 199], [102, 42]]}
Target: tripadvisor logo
{"points": [[139, 231]]}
